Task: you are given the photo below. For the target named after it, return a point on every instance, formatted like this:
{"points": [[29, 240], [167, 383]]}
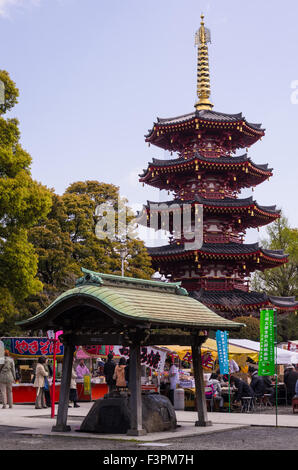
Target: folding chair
{"points": [[209, 393], [247, 404]]}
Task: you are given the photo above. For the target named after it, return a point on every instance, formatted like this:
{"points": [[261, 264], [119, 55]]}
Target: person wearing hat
{"points": [[290, 379], [108, 371]]}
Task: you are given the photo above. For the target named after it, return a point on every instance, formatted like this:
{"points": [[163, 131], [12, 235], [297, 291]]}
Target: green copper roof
{"points": [[156, 302]]}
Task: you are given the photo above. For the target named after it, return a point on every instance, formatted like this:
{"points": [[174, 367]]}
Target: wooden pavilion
{"points": [[113, 310]]}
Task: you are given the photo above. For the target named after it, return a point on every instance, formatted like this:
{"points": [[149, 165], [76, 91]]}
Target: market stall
{"points": [[27, 350], [210, 354], [152, 362], [238, 356], [283, 356]]}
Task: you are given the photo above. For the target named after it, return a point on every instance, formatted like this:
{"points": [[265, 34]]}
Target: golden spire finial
{"points": [[203, 78]]}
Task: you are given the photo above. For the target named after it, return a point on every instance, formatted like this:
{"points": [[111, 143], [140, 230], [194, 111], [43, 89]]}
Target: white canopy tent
{"points": [[283, 355]]}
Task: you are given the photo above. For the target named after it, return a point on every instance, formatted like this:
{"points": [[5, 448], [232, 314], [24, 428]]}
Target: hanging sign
{"points": [[223, 352], [207, 360], [266, 355], [33, 347], [292, 346], [97, 350], [150, 357]]}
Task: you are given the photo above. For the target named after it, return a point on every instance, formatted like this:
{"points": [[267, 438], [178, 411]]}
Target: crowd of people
{"points": [[116, 375], [117, 378], [256, 386]]}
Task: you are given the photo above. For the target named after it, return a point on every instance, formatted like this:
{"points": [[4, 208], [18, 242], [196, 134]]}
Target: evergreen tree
{"points": [[66, 241], [281, 281], [23, 202], [250, 331]]}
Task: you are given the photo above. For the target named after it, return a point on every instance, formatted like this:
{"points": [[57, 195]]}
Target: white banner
{"points": [[150, 357]]}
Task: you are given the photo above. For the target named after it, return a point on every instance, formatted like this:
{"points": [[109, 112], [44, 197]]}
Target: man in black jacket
{"points": [[243, 389], [108, 371], [257, 382]]}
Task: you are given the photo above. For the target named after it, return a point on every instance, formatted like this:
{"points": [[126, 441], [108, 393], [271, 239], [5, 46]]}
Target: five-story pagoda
{"points": [[206, 174]]}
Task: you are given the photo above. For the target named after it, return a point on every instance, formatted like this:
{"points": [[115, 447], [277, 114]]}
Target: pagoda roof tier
{"points": [[257, 257], [251, 214], [238, 301], [233, 131], [242, 172]]}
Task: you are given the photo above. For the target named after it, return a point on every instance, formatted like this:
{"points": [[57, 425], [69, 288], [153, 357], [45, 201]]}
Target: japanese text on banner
{"points": [[266, 355], [223, 352]]}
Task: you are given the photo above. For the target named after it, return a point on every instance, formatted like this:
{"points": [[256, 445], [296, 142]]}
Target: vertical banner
{"points": [[223, 352], [266, 355], [87, 385]]}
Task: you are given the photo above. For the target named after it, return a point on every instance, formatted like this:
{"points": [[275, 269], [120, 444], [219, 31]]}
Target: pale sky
{"points": [[94, 75]]}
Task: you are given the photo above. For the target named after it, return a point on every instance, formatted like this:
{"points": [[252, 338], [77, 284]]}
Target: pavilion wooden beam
{"points": [[61, 423], [79, 339], [136, 424], [153, 339]]}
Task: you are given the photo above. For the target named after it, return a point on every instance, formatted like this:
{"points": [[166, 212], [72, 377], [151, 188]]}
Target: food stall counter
{"points": [[26, 392]]}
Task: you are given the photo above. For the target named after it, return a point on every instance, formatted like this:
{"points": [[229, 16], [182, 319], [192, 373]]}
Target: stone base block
{"points": [[111, 415]]}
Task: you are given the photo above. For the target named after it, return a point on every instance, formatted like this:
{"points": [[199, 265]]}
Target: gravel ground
{"points": [[256, 438], [249, 438]]}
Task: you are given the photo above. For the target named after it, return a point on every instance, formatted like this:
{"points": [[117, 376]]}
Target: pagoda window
{"points": [[214, 227], [211, 273], [221, 270]]}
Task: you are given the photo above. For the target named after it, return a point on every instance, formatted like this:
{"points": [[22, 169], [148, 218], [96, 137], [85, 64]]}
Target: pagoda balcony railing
{"points": [[224, 285], [217, 194], [241, 286], [220, 238], [213, 195]]}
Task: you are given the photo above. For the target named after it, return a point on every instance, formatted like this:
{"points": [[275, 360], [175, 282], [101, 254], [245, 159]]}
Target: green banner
{"points": [[266, 355]]}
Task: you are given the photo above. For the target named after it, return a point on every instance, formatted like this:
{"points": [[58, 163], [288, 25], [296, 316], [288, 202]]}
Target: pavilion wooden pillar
{"points": [[61, 423], [199, 384], [136, 425]]}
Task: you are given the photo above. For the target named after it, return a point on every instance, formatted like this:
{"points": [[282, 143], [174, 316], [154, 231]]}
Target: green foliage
{"points": [[23, 202], [66, 240], [287, 327], [282, 281], [45, 239], [251, 331], [11, 92]]}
